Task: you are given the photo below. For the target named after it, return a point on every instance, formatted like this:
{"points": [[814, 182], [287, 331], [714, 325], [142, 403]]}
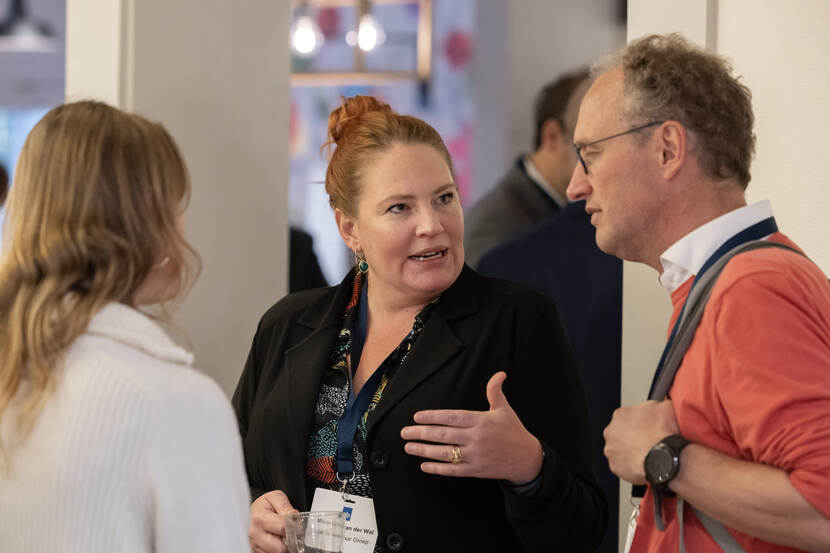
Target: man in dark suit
{"points": [[561, 259], [534, 188], [303, 269]]}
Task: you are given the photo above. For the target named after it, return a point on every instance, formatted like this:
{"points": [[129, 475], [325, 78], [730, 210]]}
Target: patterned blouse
{"points": [[331, 404]]}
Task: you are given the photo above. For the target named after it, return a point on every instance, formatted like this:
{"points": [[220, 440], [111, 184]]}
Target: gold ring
{"points": [[455, 455]]}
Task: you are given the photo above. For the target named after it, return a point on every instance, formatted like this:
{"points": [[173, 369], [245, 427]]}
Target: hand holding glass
{"points": [[315, 532]]}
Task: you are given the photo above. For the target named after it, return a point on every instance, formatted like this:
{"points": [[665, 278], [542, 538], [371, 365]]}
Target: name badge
{"points": [[361, 526], [632, 524]]}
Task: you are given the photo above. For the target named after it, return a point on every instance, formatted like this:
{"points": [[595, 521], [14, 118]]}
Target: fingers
{"points": [[262, 542], [633, 430], [495, 395], [268, 522], [279, 502], [430, 451], [273, 524], [462, 418], [446, 469], [266, 531], [436, 434], [448, 417]]}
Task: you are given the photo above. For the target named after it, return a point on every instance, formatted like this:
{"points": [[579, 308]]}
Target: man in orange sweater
{"points": [[741, 447]]}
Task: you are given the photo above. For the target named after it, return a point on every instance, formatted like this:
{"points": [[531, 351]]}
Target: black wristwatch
{"points": [[663, 462]]}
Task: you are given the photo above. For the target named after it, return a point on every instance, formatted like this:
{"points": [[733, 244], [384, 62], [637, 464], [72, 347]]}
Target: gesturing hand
{"points": [[632, 432], [268, 522], [482, 444]]}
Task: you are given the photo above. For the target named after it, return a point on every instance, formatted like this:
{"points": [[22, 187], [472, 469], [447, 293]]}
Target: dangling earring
{"points": [[362, 264]]}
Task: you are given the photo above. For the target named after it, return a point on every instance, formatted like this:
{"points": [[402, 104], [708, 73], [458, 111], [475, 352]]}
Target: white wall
{"points": [[489, 94], [542, 40], [217, 77], [784, 58], [546, 39], [782, 53]]}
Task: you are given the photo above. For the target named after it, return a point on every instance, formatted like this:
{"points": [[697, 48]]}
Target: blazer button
{"points": [[379, 459], [394, 542]]}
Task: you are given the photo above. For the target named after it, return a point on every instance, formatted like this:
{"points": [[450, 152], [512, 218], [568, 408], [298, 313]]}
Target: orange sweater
{"points": [[755, 384]]}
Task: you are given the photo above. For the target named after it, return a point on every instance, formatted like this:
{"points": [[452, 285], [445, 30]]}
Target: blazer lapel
{"points": [[305, 365], [436, 346], [531, 193]]}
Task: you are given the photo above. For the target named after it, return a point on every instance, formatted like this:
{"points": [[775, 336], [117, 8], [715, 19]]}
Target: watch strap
{"points": [[676, 443]]}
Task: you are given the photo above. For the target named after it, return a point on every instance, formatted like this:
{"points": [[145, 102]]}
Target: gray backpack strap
{"points": [[719, 533], [694, 311], [695, 305], [717, 530]]}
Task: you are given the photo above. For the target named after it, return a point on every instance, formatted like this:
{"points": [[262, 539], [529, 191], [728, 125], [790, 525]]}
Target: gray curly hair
{"points": [[668, 78]]}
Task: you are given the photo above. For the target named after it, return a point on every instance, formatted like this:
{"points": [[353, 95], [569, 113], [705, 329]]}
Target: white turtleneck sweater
{"points": [[134, 451]]}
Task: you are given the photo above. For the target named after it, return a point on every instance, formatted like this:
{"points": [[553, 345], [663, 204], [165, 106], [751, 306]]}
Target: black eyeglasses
{"points": [[629, 131]]}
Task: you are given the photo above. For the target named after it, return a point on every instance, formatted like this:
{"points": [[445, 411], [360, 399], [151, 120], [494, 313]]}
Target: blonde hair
{"points": [[93, 208], [361, 127]]}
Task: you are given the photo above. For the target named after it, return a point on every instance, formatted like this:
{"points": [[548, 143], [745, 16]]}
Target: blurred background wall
{"points": [[219, 77]]}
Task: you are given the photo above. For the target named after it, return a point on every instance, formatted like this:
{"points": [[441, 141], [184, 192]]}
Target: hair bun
{"points": [[350, 111]]}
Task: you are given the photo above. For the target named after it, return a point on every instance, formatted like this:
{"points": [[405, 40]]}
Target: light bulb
{"points": [[306, 37], [369, 33]]}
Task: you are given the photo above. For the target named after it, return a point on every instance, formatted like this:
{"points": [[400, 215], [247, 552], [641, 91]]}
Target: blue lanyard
{"points": [[355, 406], [755, 232]]}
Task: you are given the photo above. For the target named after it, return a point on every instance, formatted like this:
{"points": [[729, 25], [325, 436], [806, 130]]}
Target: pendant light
{"points": [[369, 33], [306, 36], [21, 33]]}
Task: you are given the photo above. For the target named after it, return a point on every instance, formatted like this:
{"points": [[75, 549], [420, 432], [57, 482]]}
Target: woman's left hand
{"points": [[481, 444]]}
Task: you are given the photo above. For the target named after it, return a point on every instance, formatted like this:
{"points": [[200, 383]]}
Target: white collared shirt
{"points": [[685, 257], [543, 183]]}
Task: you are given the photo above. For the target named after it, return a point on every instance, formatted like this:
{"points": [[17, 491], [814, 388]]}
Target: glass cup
{"points": [[315, 532]]}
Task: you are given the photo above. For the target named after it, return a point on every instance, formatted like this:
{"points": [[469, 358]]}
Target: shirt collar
{"points": [[540, 181], [685, 257]]}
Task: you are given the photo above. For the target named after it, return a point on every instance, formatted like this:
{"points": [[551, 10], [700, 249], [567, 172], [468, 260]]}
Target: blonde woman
{"points": [[109, 441]]}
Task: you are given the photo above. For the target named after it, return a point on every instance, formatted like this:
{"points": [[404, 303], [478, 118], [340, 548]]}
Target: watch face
{"points": [[660, 465]]}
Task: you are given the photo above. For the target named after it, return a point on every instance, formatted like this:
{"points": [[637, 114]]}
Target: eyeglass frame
{"points": [[577, 147]]}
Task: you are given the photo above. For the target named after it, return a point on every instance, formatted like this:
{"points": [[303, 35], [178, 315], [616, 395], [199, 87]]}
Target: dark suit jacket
{"points": [[479, 326], [561, 259], [514, 206]]}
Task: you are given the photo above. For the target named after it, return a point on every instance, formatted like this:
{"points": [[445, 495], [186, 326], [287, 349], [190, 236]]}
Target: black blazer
{"points": [[479, 326], [561, 259]]}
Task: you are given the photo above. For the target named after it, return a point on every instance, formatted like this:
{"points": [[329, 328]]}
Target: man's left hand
{"points": [[633, 431]]}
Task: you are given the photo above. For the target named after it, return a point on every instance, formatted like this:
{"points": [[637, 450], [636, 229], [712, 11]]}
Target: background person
{"points": [[454, 457], [665, 138], [4, 184], [304, 270], [560, 257], [109, 441], [533, 190]]}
